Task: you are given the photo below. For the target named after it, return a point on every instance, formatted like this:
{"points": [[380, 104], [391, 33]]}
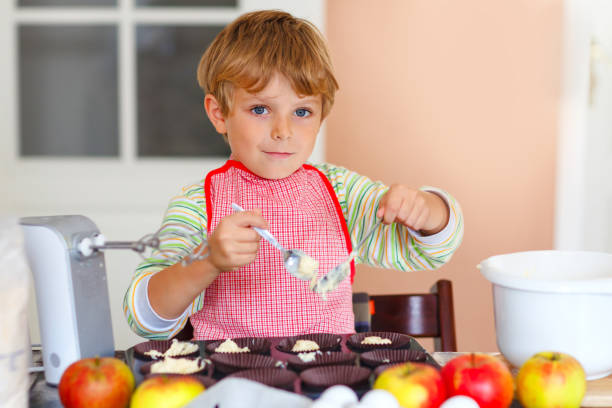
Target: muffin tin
{"points": [[342, 359]]}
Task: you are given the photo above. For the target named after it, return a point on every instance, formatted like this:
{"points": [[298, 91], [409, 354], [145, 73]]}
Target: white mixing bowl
{"points": [[553, 301]]}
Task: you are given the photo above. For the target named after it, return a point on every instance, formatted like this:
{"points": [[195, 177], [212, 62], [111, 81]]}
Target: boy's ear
{"points": [[213, 110]]}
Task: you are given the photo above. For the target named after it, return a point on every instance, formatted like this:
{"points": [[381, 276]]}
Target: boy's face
{"points": [[273, 131]]}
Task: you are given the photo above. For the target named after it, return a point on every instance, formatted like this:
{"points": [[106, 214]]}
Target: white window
{"points": [[101, 114]]}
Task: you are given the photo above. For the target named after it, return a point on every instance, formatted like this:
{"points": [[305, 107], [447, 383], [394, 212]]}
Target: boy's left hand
{"points": [[420, 210]]}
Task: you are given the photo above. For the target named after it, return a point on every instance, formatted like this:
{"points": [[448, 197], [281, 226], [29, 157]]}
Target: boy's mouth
{"points": [[279, 155]]}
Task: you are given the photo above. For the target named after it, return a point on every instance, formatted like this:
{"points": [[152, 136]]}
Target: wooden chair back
{"points": [[418, 315]]}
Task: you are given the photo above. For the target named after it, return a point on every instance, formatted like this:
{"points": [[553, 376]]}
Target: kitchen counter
{"points": [[599, 392]]}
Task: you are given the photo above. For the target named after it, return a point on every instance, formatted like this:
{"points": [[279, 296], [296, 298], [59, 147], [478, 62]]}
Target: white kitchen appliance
{"points": [[71, 291], [67, 263]]}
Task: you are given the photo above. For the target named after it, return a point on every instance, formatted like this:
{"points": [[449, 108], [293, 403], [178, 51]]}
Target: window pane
{"points": [[26, 3], [171, 116], [190, 3], [68, 90]]}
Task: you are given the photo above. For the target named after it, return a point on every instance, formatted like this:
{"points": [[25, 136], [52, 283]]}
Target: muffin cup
{"points": [[326, 342], [375, 358], [256, 345], [398, 340], [145, 369], [324, 358], [327, 376], [160, 345], [229, 363], [273, 377]]}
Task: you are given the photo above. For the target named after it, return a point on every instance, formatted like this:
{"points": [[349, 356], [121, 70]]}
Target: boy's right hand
{"points": [[234, 243]]}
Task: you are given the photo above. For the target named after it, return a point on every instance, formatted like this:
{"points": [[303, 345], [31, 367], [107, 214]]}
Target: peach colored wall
{"points": [[461, 95]]}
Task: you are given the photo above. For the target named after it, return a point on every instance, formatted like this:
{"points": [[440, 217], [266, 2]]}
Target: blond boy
{"points": [[268, 85]]}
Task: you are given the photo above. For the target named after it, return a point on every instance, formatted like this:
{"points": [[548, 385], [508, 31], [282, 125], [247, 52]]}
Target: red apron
{"points": [[262, 299]]}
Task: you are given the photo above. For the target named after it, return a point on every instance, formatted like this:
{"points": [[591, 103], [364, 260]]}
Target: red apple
{"points": [[166, 391], [482, 377], [96, 383], [551, 379], [414, 385]]}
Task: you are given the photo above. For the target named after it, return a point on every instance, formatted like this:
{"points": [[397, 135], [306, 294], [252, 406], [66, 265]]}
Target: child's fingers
{"points": [[404, 212], [250, 219], [246, 248], [421, 220], [239, 261], [244, 234], [390, 207], [417, 207]]}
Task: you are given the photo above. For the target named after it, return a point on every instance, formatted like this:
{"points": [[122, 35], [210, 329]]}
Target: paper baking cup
{"points": [[274, 377], [375, 358], [228, 363], [325, 358], [326, 342], [160, 345], [256, 345], [145, 369], [398, 340], [326, 376]]}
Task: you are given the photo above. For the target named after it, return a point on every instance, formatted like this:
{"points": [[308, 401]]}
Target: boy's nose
{"points": [[281, 129]]}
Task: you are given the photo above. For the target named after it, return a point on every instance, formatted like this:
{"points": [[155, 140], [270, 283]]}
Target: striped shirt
{"points": [[391, 246]]}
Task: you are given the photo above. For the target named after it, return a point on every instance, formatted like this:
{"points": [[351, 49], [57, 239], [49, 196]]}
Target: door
{"points": [[100, 113], [584, 189]]}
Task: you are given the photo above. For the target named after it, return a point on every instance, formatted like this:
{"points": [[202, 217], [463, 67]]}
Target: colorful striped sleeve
{"points": [[392, 246], [182, 230]]}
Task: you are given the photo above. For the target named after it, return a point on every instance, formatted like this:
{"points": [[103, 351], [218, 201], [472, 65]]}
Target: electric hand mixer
{"points": [[67, 263]]}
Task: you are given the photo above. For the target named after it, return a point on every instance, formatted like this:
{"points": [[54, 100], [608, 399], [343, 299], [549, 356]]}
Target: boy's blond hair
{"points": [[250, 50]]}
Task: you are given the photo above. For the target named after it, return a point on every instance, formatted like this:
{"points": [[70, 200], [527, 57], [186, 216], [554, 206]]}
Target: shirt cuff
{"points": [[443, 235], [147, 316]]}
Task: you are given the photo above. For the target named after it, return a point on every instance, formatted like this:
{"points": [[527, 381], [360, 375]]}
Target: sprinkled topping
{"points": [[305, 345], [178, 348], [375, 340], [171, 365], [229, 346], [181, 348], [308, 357]]}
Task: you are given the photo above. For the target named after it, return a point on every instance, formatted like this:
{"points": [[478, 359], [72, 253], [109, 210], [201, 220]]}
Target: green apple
{"points": [[551, 379], [166, 391], [414, 385]]}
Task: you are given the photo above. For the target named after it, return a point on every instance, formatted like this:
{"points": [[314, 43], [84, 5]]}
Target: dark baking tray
{"points": [[135, 363]]}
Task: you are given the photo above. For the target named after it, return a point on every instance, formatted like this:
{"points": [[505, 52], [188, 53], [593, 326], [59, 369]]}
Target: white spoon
{"points": [[298, 263], [333, 278]]}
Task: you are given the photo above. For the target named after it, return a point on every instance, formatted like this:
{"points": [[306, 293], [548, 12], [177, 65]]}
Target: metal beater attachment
{"points": [[87, 246]]}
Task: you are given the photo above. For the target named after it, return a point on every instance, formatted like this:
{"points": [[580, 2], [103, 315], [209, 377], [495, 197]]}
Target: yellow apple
{"points": [[551, 379], [166, 391], [414, 385]]}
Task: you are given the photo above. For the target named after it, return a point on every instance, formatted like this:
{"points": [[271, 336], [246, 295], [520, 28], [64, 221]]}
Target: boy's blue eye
{"points": [[259, 110], [302, 113]]}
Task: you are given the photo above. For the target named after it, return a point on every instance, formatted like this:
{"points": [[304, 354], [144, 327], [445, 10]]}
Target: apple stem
{"points": [[556, 356], [473, 359], [409, 369]]}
